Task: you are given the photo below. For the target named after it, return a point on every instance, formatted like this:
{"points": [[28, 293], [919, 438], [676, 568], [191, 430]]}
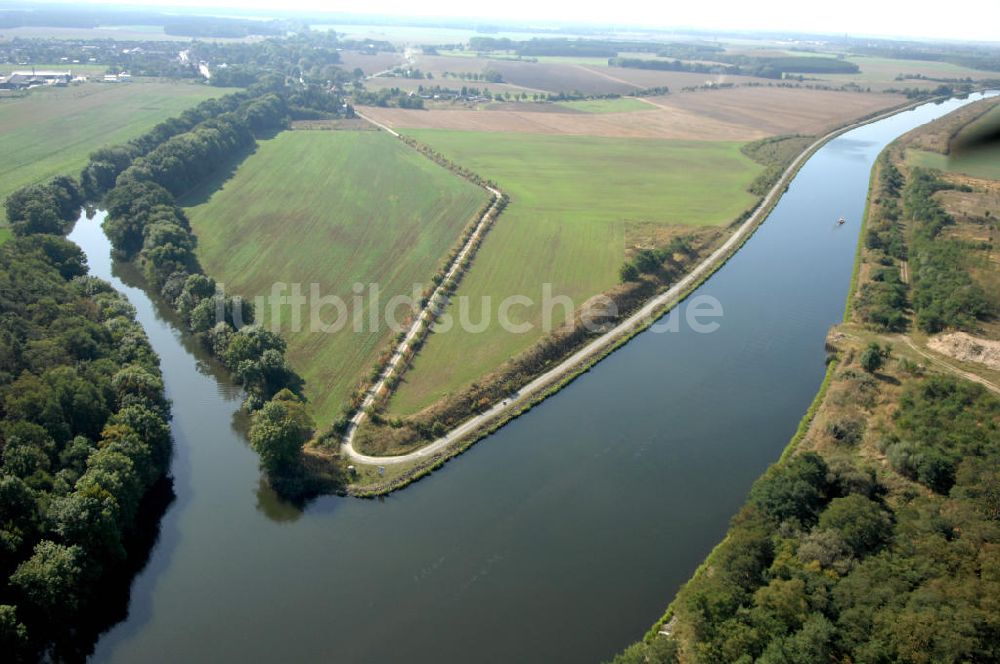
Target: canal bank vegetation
{"points": [[875, 537], [146, 225], [654, 271], [84, 440], [775, 154], [138, 183], [874, 540]]}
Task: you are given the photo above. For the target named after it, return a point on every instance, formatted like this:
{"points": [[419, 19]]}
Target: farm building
{"points": [[19, 80]]}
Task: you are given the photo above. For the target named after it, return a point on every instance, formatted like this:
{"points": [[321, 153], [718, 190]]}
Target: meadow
{"points": [[52, 131], [575, 202], [333, 208]]}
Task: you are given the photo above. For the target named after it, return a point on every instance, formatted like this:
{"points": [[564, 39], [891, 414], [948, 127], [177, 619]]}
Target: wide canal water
{"points": [[562, 537]]}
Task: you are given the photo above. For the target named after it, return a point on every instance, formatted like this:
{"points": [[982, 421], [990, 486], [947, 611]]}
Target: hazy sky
{"points": [[959, 19]]}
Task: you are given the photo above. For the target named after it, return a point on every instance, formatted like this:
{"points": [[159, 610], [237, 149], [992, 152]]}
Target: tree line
{"points": [[738, 65], [882, 300], [83, 439], [145, 225]]}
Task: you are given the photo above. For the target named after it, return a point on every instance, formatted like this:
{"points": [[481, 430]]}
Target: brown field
{"points": [[413, 84], [370, 64], [656, 124], [675, 80], [781, 110], [734, 114], [537, 76]]}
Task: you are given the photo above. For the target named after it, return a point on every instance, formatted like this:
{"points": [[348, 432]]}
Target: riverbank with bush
{"points": [[874, 537]]}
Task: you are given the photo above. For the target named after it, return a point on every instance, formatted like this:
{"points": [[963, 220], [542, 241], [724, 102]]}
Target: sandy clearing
{"points": [[967, 348]]}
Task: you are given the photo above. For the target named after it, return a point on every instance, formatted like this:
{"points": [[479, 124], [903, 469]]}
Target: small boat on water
{"points": [[841, 221]]}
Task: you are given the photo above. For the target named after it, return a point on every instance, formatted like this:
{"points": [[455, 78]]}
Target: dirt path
{"points": [[653, 309], [607, 76], [950, 368], [436, 300]]}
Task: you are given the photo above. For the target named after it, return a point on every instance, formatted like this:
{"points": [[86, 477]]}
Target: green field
{"points": [[52, 131], [620, 105], [333, 208], [885, 70], [572, 200]]}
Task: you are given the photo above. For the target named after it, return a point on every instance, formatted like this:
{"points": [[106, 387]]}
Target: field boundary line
{"points": [[541, 387], [435, 303]]}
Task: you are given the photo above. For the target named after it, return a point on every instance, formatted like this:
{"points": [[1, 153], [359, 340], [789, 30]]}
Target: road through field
{"points": [[654, 308]]}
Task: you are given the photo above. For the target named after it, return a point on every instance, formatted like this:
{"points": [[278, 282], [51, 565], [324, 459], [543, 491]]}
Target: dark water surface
{"points": [[558, 539]]}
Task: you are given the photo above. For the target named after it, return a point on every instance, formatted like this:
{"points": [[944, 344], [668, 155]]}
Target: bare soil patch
{"points": [[967, 348]]}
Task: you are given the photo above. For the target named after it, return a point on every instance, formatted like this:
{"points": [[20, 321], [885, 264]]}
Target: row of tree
{"points": [[145, 225], [735, 65], [106, 164], [882, 300], [83, 439]]}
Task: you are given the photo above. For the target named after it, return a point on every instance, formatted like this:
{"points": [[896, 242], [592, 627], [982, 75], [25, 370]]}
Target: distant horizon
{"points": [[889, 20]]}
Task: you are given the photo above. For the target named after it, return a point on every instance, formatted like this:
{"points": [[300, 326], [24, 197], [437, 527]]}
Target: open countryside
{"points": [[551, 456], [332, 208], [52, 132], [575, 203]]}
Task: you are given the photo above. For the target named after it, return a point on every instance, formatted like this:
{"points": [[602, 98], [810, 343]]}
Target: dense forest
{"points": [[823, 564], [906, 223], [145, 225], [944, 294], [83, 437], [138, 183]]}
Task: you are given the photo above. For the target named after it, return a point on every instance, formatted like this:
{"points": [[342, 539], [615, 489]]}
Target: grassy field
{"points": [[885, 70], [573, 203], [333, 208], [620, 105], [52, 131]]}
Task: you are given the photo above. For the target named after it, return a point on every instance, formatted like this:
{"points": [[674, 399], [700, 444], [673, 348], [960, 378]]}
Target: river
{"points": [[560, 538]]}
